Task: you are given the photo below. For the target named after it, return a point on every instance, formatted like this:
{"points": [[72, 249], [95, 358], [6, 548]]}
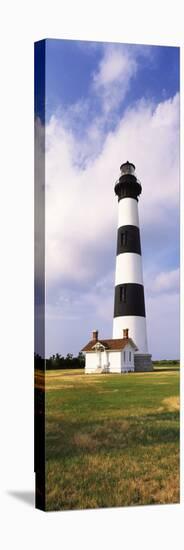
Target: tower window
{"points": [[129, 355], [124, 353], [122, 293], [124, 239]]}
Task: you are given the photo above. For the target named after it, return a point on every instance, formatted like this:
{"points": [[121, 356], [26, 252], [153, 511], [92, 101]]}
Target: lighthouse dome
{"points": [[127, 168], [127, 185]]}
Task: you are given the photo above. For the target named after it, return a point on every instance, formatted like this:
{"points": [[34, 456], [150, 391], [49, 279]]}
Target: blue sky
{"points": [[66, 60], [106, 103]]}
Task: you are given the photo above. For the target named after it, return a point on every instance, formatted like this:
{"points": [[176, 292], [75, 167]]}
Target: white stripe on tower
{"points": [[128, 212], [129, 306], [128, 269]]}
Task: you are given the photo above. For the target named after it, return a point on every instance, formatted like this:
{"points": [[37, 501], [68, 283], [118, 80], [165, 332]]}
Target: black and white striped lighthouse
{"points": [[129, 302]]}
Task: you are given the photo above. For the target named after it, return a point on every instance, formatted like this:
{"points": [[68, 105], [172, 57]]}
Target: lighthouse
{"points": [[129, 300], [127, 350]]}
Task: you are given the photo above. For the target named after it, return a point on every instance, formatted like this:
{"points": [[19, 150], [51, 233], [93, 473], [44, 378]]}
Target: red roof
{"points": [[113, 344]]}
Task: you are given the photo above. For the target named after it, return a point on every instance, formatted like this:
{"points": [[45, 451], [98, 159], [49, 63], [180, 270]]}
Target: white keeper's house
{"points": [[115, 355]]}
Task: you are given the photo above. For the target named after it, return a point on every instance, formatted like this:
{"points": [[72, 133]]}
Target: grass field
{"points": [[112, 440]]}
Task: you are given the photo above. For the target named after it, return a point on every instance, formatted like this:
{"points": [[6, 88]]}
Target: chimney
{"points": [[95, 335], [125, 333]]}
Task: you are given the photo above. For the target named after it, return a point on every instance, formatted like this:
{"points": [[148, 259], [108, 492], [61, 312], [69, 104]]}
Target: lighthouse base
{"points": [[143, 362]]}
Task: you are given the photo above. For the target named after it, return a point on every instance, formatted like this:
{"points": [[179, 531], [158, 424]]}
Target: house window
{"points": [[124, 354], [130, 356], [122, 293], [124, 239]]}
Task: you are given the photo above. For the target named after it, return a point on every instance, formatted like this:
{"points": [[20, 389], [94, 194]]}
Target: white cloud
{"points": [[112, 79], [163, 326], [81, 208], [114, 66], [167, 281]]}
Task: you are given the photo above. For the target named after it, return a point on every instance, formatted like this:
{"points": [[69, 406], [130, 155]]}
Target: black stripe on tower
{"points": [[128, 239], [129, 300]]}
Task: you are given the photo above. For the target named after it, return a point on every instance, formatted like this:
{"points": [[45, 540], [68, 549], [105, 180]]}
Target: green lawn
{"points": [[112, 440]]}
